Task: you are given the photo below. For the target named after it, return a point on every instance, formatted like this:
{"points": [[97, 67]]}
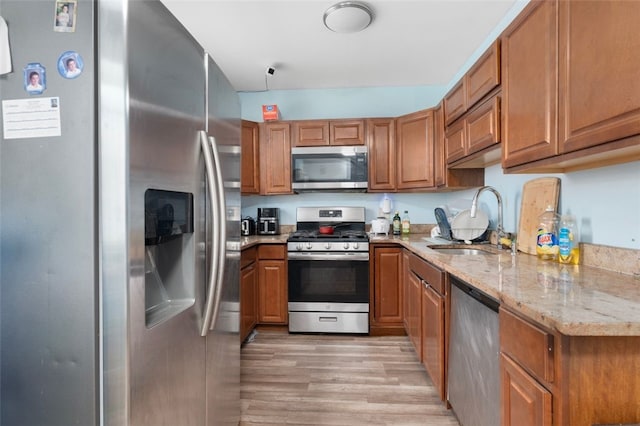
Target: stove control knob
{"points": [[309, 245], [299, 246], [355, 246], [346, 246], [327, 246]]}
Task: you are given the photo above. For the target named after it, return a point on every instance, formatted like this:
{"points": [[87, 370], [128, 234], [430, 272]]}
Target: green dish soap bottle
{"points": [[397, 224]]}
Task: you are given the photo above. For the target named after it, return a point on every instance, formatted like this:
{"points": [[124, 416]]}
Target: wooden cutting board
{"points": [[537, 194]]}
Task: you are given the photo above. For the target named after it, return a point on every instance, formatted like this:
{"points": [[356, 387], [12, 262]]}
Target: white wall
{"points": [[606, 201]]}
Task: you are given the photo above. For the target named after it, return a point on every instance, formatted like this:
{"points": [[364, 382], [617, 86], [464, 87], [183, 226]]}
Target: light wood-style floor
{"points": [[297, 379]]}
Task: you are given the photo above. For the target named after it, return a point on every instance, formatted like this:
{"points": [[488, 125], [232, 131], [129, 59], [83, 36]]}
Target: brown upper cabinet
{"points": [[439, 150], [414, 142], [480, 80], [275, 158], [421, 133], [347, 132], [455, 103], [328, 132], [570, 85], [381, 144], [599, 73], [472, 115], [310, 133], [250, 145], [449, 178], [529, 78], [477, 132]]}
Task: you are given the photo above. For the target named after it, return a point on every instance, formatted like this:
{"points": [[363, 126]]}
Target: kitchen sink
{"points": [[458, 250]]}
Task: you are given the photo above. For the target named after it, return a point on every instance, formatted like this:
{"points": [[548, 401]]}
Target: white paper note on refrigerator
{"points": [[31, 118], [5, 53]]}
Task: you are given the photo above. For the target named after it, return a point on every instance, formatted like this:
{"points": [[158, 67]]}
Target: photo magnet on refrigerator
{"points": [[35, 78], [70, 64], [65, 16]]}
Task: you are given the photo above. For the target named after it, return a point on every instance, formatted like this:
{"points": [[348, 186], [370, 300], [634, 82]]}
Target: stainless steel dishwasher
{"points": [[474, 360]]}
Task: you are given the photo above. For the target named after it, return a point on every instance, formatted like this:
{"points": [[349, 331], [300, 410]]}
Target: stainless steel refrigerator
{"points": [[119, 220]]}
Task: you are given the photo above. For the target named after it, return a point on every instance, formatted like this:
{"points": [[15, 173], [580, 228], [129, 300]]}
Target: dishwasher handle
{"points": [[485, 299]]}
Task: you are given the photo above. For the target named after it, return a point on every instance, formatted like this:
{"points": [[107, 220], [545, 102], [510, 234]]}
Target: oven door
{"points": [[329, 278]]}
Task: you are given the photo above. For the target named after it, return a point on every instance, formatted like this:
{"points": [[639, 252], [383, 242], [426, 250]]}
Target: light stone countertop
{"points": [[575, 300], [252, 240]]}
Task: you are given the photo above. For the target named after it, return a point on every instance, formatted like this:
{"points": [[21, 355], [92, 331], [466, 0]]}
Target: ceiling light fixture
{"points": [[348, 17]]}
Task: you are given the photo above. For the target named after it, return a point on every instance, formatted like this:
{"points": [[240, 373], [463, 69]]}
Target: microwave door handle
{"points": [[213, 268], [222, 230]]}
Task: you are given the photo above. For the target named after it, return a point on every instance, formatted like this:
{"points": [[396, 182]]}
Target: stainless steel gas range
{"points": [[329, 271]]}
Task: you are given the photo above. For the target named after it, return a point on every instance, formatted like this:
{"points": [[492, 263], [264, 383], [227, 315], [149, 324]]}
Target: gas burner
{"points": [[299, 235], [354, 234], [350, 235], [347, 223]]}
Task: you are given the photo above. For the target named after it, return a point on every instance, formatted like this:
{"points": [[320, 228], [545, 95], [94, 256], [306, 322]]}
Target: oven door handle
{"points": [[360, 257]]}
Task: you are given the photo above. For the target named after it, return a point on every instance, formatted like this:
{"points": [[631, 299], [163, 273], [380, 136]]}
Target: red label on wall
{"points": [[270, 112]]}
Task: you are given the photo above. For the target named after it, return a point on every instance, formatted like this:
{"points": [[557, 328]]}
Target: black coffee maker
{"points": [[268, 221]]}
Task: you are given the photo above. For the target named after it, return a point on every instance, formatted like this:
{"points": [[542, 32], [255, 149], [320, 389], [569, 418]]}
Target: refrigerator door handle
{"points": [[222, 234], [214, 263]]}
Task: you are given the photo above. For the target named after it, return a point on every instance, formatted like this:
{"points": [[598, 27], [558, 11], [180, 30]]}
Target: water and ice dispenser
{"points": [[169, 254]]}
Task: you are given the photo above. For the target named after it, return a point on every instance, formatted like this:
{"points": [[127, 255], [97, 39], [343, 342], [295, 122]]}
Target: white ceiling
{"points": [[409, 43]]}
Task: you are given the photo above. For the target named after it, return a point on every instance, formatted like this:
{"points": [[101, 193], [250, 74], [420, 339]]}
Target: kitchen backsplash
{"points": [[625, 261], [589, 195], [621, 260]]}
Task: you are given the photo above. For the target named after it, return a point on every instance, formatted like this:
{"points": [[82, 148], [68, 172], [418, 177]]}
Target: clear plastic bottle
{"points": [[406, 223], [547, 238], [568, 241], [397, 224]]}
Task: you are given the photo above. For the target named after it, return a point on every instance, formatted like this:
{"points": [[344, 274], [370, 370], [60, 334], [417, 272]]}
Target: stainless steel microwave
{"points": [[337, 168]]}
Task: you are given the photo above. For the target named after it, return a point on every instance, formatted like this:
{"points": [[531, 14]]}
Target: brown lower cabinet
{"points": [[433, 337], [248, 292], [525, 402], [528, 364], [413, 296], [429, 299], [272, 284], [552, 379], [385, 298], [547, 378], [409, 296]]}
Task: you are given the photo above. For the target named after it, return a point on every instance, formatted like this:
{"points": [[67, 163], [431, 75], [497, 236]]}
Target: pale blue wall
{"points": [[606, 201], [341, 103]]}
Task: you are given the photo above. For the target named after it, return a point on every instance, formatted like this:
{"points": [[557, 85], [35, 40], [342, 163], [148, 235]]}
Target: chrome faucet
{"points": [[474, 209]]}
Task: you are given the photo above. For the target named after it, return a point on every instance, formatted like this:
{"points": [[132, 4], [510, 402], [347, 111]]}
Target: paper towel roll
{"points": [[386, 205]]}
